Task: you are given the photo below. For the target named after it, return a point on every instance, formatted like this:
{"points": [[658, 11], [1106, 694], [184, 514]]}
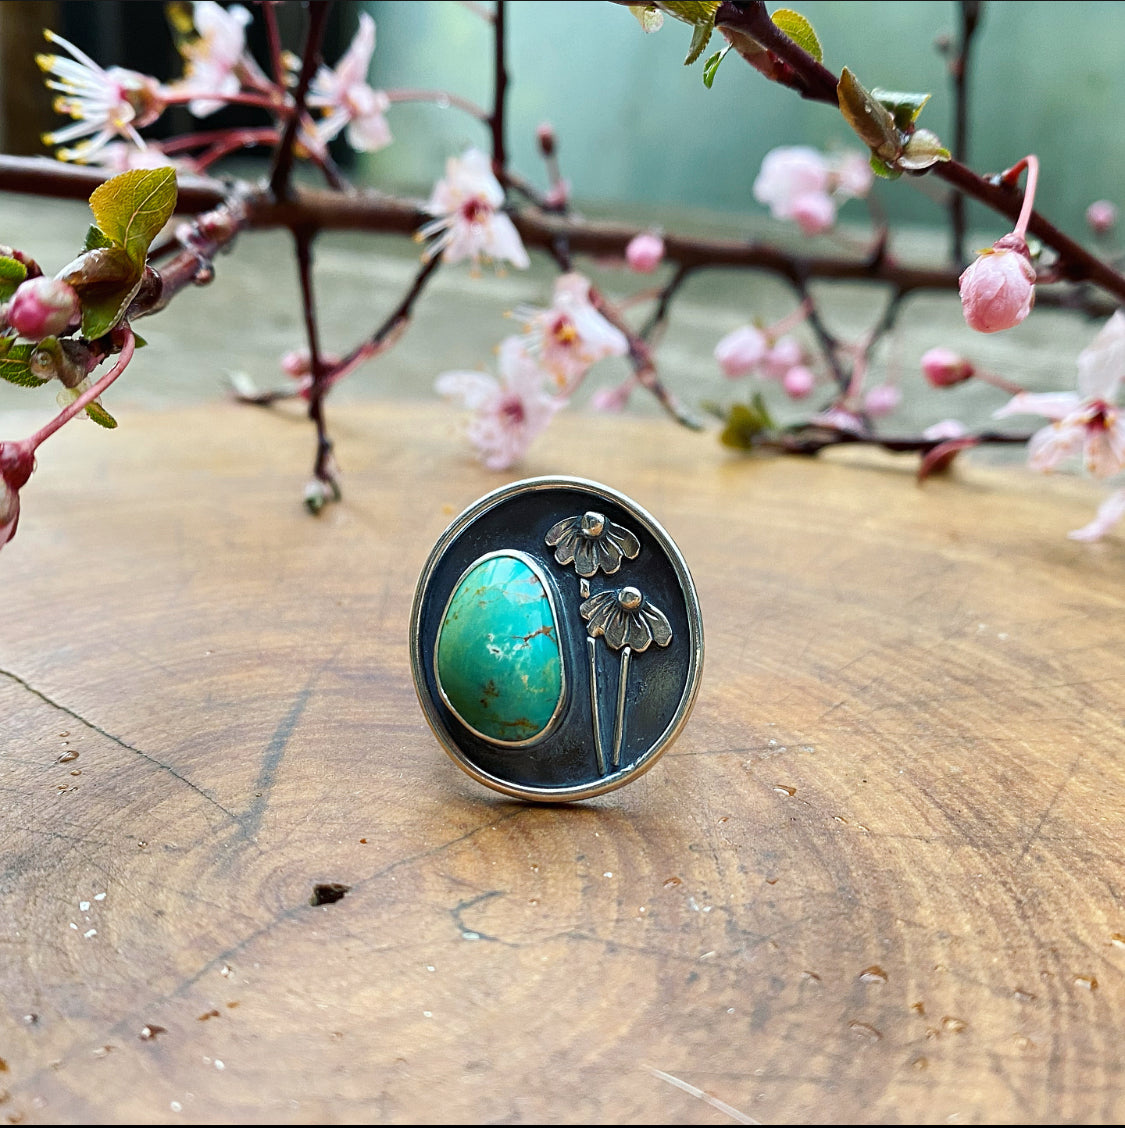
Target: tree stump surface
{"points": [[878, 878]]}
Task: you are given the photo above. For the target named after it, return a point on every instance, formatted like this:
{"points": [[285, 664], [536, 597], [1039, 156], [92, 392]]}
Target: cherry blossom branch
{"points": [[816, 82], [273, 40], [970, 11], [303, 240], [284, 155], [499, 92]]}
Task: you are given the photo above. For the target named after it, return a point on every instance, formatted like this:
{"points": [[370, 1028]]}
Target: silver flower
{"points": [[592, 542], [625, 618]]}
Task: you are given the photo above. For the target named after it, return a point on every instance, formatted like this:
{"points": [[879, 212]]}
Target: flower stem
{"points": [[595, 716], [619, 720], [1032, 163]]}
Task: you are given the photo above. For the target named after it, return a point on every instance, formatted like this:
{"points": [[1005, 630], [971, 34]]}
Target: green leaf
{"points": [[745, 422], [96, 238], [871, 120], [881, 168], [712, 65], [14, 363], [699, 12], [799, 30], [700, 37], [12, 273], [106, 280], [904, 108], [922, 150], [131, 209], [100, 416]]}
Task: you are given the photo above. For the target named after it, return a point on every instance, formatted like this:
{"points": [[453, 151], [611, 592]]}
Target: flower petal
{"points": [[1109, 513]]}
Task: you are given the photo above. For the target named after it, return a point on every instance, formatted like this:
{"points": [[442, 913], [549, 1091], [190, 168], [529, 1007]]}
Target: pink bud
{"points": [[43, 307], [998, 290], [740, 352], [644, 252], [612, 400], [882, 400], [943, 367], [545, 135], [784, 355], [814, 212], [558, 195], [798, 382], [1101, 215]]}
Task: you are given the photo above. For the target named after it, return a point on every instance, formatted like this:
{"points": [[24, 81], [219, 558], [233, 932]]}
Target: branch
{"points": [[818, 83]]}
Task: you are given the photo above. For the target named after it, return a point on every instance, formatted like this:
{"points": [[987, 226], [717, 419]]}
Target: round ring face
{"points": [[556, 640]]}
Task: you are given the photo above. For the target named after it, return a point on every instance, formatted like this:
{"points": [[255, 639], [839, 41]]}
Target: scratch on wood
{"points": [[714, 1102], [118, 741]]}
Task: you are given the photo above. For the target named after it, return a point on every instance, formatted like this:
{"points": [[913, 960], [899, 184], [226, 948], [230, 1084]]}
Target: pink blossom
{"points": [[468, 223], [943, 367], [645, 252], [1086, 423], [799, 183], [881, 400], [348, 100], [214, 58], [998, 290], [798, 382], [507, 413], [43, 307], [782, 355], [740, 352], [612, 400], [571, 334], [104, 103], [1109, 513], [1101, 216]]}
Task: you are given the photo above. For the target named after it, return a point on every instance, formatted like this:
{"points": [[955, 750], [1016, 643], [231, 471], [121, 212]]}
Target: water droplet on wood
{"points": [[865, 1031], [873, 974]]}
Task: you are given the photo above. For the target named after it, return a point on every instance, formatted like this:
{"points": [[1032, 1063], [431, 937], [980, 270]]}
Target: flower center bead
{"points": [[629, 599], [593, 524]]}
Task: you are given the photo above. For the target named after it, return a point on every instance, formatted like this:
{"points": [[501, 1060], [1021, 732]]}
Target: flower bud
{"points": [[43, 307], [784, 354], [644, 252], [1101, 216], [740, 352], [998, 290], [613, 399], [798, 382], [943, 367], [815, 213], [881, 400], [545, 135]]}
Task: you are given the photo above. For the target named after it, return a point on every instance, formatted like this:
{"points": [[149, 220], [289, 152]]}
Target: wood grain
{"points": [[878, 879]]}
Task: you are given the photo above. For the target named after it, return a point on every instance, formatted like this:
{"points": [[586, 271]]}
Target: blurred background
{"points": [[640, 139]]}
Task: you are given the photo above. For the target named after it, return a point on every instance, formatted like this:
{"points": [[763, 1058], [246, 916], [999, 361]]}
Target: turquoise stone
{"points": [[497, 656]]}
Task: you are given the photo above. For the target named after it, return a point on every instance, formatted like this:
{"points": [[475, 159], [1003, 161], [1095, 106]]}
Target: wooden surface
{"points": [[878, 879]]}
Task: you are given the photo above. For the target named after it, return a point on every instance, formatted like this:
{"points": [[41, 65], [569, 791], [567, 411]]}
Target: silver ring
{"points": [[556, 640]]}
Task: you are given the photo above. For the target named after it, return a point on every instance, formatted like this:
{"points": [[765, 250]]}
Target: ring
{"points": [[556, 640]]}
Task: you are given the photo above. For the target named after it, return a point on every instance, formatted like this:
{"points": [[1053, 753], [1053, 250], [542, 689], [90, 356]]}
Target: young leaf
{"points": [[871, 120], [923, 149], [881, 168], [14, 364], [12, 273], [904, 108], [100, 416], [745, 422], [700, 37], [106, 280], [96, 238], [691, 11], [799, 30], [712, 65], [132, 208]]}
